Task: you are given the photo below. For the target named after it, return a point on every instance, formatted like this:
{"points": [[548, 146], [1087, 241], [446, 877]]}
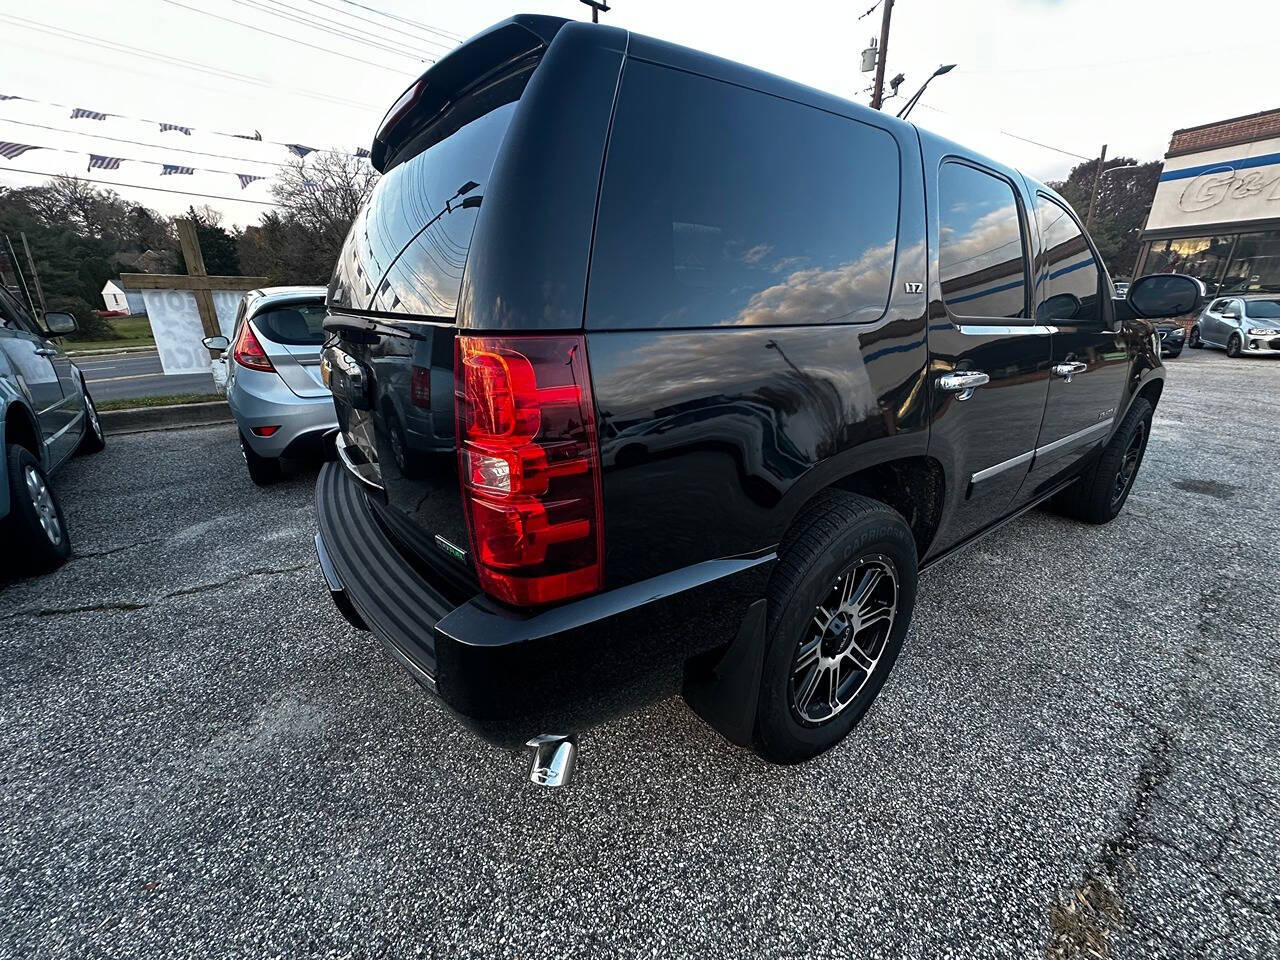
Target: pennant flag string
{"points": [[248, 178], [78, 113], [13, 151], [104, 163], [172, 168]]}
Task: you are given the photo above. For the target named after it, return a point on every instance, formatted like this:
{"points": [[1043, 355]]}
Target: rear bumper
{"points": [[512, 674], [260, 399]]}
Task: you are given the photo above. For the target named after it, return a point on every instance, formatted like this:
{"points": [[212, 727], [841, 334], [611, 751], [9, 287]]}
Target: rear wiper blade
{"points": [[367, 325]]}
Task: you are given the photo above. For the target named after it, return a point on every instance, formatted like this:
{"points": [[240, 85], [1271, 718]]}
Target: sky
{"points": [[1068, 74]]}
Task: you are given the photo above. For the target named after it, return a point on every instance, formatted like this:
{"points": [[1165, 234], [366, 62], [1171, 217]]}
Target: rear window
{"points": [[295, 324], [725, 206]]}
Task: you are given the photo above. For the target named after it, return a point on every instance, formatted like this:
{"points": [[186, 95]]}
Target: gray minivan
{"points": [[46, 416]]}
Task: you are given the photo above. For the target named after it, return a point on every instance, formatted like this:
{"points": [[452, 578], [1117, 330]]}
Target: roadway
{"points": [[137, 375]]}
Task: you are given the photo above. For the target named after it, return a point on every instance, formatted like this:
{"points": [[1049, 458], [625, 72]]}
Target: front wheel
{"points": [[94, 440], [264, 471], [1193, 339], [1100, 495], [34, 532], [840, 600], [1233, 345]]}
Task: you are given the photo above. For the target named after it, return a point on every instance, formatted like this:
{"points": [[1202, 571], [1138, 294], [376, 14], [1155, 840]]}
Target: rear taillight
{"points": [[248, 351], [529, 464], [420, 387]]}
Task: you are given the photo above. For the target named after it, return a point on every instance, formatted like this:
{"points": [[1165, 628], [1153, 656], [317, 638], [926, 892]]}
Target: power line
{"points": [[138, 186], [282, 36], [449, 39], [285, 12], [154, 163], [218, 72], [413, 23], [356, 34], [1006, 133]]}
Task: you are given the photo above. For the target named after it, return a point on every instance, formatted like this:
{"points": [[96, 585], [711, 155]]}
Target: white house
{"points": [[117, 297]]}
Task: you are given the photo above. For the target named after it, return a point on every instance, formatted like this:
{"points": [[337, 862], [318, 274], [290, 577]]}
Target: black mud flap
{"points": [[726, 696]]}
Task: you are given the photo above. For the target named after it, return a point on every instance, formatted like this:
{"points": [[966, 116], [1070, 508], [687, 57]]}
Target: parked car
{"points": [[1121, 288], [272, 380], [1243, 324], [732, 360], [1173, 337], [46, 416]]}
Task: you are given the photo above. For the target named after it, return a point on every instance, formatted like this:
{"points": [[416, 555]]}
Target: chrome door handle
{"points": [[46, 352], [1068, 370], [962, 382]]}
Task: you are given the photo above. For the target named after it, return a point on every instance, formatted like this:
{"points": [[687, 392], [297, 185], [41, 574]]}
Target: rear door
{"points": [[1090, 354], [292, 333], [988, 358], [1212, 326]]}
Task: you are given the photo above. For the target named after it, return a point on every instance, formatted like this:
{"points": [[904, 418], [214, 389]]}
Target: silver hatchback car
{"points": [[1245, 324], [270, 370]]}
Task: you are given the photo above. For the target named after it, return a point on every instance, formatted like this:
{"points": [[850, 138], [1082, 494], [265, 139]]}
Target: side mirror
{"points": [[1165, 295], [1231, 313], [1061, 306], [59, 324], [219, 344]]}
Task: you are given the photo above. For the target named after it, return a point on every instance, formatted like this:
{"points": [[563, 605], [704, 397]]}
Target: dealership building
{"points": [[1216, 212]]}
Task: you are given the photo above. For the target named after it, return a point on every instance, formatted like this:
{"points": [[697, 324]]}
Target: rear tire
{"points": [[1100, 494], [840, 601], [94, 440], [264, 471], [1193, 339], [1233, 345], [34, 533]]}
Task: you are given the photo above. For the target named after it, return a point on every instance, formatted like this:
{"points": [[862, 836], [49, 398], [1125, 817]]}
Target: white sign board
{"points": [[175, 322], [1224, 185]]}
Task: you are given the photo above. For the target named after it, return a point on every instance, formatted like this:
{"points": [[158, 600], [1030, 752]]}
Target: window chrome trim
{"points": [[999, 468]]}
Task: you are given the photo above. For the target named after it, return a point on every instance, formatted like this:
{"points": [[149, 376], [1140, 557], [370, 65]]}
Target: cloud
{"points": [[757, 253], [857, 290]]}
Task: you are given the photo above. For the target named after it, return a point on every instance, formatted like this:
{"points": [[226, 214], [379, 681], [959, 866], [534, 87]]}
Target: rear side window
{"points": [[1072, 280], [294, 324], [982, 259], [724, 206]]}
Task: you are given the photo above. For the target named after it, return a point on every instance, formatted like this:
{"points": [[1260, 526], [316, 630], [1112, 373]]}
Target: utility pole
{"points": [[877, 94], [35, 274], [1093, 194], [597, 7]]}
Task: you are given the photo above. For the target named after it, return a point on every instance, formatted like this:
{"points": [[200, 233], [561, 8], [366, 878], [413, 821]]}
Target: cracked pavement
{"points": [[1078, 753]]}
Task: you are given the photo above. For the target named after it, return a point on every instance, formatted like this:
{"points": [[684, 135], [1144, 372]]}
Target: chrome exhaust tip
{"points": [[554, 759]]}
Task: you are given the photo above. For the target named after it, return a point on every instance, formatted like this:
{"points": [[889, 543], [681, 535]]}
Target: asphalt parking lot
{"points": [[1079, 749]]}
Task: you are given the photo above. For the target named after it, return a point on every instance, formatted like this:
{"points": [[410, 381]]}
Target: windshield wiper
{"points": [[370, 326]]}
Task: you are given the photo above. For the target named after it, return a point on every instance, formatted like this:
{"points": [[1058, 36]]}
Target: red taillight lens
{"points": [[529, 464], [420, 387], [248, 351], [265, 431]]}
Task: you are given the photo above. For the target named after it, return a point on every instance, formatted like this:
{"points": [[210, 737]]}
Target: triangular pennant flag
{"points": [[13, 151], [173, 126], [361, 152], [257, 135], [171, 168], [299, 149], [104, 163], [310, 185], [11, 96], [78, 112], [247, 178]]}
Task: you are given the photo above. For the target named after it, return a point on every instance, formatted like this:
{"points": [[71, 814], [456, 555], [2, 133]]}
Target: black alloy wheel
{"points": [[1129, 465], [1233, 345], [843, 646], [1193, 339]]}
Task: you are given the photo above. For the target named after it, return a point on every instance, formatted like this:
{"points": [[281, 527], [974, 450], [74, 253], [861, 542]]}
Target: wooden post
{"points": [[197, 279]]}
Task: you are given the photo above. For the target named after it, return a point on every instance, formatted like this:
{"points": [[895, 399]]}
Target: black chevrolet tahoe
{"points": [[656, 373]]}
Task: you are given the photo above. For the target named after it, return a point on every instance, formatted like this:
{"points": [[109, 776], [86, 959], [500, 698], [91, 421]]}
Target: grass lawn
{"points": [[132, 403], [134, 331]]}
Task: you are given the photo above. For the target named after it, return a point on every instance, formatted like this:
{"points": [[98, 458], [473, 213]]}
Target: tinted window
{"points": [[295, 324], [416, 228], [1218, 305], [15, 315], [1072, 280], [981, 253], [725, 206], [1263, 309]]}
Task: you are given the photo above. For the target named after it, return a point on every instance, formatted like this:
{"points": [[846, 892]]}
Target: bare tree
{"points": [[323, 195]]}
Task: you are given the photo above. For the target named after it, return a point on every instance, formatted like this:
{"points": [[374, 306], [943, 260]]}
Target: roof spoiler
{"points": [[485, 59]]}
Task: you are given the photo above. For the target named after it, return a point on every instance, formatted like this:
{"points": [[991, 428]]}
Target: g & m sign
{"points": [[1216, 186]]}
